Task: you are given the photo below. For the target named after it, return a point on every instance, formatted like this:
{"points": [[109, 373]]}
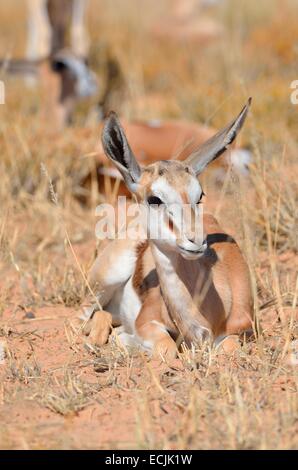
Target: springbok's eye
{"points": [[200, 198], [154, 201]]}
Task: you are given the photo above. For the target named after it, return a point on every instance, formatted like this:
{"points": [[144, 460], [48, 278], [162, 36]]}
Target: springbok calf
{"points": [[189, 284]]}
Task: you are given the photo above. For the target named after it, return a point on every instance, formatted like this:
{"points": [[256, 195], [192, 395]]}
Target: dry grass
{"points": [[55, 393]]}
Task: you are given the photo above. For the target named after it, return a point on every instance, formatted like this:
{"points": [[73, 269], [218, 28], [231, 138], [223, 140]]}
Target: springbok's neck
{"points": [[175, 292], [166, 265]]}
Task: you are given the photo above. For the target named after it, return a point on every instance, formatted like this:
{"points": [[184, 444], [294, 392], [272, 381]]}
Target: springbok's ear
{"points": [[215, 146], [117, 149]]}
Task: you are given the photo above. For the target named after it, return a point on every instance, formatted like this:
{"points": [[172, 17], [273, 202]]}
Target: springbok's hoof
{"points": [[99, 328], [229, 345], [165, 349]]}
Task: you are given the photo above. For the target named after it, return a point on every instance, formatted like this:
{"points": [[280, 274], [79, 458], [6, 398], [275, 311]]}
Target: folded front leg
{"points": [[151, 330]]}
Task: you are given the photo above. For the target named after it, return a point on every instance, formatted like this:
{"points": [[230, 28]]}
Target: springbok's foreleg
{"points": [[39, 30], [98, 322], [110, 271], [151, 330], [79, 36]]}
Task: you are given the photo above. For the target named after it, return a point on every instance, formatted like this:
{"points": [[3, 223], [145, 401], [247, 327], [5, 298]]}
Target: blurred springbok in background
{"points": [[67, 76], [59, 64], [193, 282]]}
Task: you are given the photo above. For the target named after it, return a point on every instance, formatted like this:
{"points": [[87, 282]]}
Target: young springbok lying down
{"points": [[190, 284]]}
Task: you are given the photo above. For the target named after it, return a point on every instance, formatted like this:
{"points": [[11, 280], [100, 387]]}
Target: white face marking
{"points": [[181, 216], [158, 227], [162, 189], [169, 195]]}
